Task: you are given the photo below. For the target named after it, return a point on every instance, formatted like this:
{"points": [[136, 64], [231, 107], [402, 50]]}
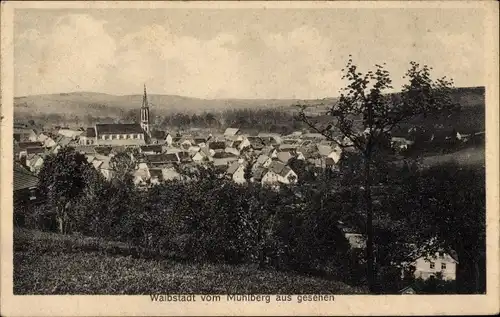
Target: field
{"points": [[47, 263], [473, 156]]}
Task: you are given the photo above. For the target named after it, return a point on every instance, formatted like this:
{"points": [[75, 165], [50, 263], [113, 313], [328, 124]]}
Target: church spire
{"points": [[145, 113], [145, 98]]}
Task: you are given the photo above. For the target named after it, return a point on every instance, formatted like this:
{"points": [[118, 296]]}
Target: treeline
{"points": [[276, 120], [209, 218]]}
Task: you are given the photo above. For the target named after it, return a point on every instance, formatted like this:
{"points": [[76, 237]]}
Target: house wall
{"points": [[423, 267], [239, 175], [169, 140], [286, 179], [270, 178]]}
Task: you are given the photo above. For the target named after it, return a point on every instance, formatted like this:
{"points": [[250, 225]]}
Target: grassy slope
{"points": [[47, 263]]}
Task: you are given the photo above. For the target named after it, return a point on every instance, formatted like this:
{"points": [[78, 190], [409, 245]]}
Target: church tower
{"points": [[145, 113]]}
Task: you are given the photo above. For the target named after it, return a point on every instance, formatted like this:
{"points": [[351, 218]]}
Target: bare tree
{"points": [[365, 114]]}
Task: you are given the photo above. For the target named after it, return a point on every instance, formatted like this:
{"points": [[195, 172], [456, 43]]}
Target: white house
{"points": [[279, 173], [72, 134], [441, 263], [237, 172]]}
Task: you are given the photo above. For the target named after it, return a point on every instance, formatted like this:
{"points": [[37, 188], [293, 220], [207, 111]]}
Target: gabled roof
{"points": [[231, 131], [23, 179], [24, 145], [35, 150], [89, 133], [162, 158], [258, 173], [128, 128], [151, 148], [199, 140], [159, 135], [276, 167], [103, 150], [262, 159], [284, 156], [233, 168], [324, 150], [217, 145], [184, 156]]}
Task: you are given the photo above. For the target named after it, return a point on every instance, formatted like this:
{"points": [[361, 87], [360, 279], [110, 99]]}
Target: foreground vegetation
{"points": [[46, 263]]}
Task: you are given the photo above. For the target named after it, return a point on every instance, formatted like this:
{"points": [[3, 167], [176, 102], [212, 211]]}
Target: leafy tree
{"points": [[122, 166], [365, 115], [62, 180]]}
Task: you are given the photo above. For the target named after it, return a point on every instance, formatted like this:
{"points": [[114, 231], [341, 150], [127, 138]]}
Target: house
{"points": [[441, 263], [279, 173], [255, 143], [150, 149], [231, 132], [313, 136], [85, 149], [88, 137], [400, 143], [69, 133], [408, 290], [169, 139], [184, 156], [103, 166], [141, 176], [24, 134], [165, 158], [35, 162], [207, 151], [326, 151], [263, 161], [270, 151], [200, 141], [47, 140], [155, 175], [25, 191], [232, 151], [103, 150], [158, 137], [198, 157], [217, 146], [273, 138], [169, 174], [236, 171], [258, 173]]}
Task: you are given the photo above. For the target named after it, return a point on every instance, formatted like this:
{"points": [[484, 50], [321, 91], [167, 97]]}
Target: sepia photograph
{"points": [[249, 154]]}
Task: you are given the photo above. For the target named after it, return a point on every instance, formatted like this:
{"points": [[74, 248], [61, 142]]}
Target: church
{"points": [[120, 134]]}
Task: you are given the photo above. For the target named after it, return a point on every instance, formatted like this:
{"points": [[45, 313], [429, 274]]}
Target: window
{"points": [[104, 137], [443, 266], [32, 193], [432, 265]]}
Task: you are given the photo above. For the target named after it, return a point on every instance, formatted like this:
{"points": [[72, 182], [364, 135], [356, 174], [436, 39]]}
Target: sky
{"points": [[237, 53]]}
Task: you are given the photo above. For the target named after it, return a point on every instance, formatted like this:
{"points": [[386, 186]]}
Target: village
{"points": [[158, 156]]}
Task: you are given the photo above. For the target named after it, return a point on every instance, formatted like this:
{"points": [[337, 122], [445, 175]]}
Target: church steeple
{"points": [[145, 113]]}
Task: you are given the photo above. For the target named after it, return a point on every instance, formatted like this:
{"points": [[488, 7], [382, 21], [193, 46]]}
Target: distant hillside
{"points": [[99, 105], [102, 105]]}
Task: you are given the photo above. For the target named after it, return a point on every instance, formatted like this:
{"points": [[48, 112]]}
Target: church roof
{"points": [[123, 128]]}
